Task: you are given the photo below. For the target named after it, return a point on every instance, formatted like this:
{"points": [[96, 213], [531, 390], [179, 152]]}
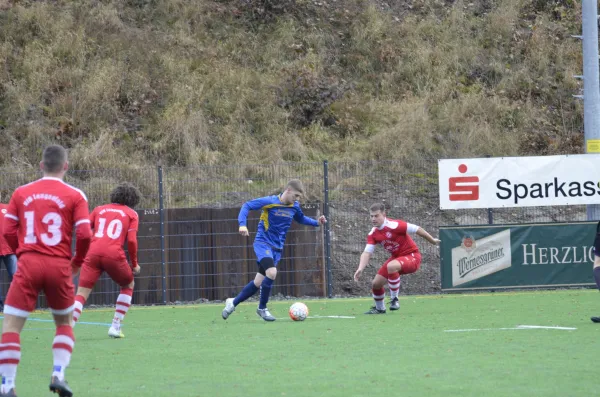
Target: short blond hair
{"points": [[296, 185]]}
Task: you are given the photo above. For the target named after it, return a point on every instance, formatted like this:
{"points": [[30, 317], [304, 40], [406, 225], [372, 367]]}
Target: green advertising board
{"points": [[513, 256]]}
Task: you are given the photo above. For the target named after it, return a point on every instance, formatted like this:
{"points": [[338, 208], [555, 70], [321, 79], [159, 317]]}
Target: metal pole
{"points": [[591, 86], [490, 211], [161, 210], [327, 234]]}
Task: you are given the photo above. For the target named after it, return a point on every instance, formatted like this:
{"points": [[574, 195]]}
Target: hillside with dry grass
{"points": [[127, 83]]}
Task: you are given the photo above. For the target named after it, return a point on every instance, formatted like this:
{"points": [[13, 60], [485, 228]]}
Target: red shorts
{"points": [[39, 272], [410, 264], [117, 268]]}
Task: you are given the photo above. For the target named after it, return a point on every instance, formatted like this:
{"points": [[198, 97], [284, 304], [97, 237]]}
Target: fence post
{"points": [[327, 230], [490, 211], [161, 211]]}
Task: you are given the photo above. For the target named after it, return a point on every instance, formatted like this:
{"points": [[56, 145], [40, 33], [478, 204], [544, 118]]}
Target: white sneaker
{"points": [[229, 308], [265, 314], [115, 333]]}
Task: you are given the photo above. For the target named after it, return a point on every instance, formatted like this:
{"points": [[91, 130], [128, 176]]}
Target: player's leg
{"points": [[10, 261], [270, 270], [377, 287], [88, 276], [252, 287], [10, 351], [597, 268], [121, 308], [269, 265], [394, 286], [248, 291], [59, 289], [121, 273], [62, 349], [20, 301], [81, 297], [404, 264]]}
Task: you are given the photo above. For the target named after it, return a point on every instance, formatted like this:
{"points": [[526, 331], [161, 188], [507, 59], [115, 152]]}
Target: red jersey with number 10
{"points": [[47, 211], [393, 237], [111, 223]]}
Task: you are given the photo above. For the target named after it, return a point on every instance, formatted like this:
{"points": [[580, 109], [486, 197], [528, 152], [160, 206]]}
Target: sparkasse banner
{"points": [[519, 181]]}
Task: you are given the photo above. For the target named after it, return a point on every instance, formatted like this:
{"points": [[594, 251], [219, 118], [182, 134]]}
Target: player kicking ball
{"points": [[394, 236], [275, 220], [113, 224], [38, 226]]}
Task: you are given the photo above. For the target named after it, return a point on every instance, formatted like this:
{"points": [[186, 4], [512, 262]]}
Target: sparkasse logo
{"points": [[463, 188]]}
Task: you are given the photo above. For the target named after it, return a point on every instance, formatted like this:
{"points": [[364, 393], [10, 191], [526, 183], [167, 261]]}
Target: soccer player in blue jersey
{"points": [[275, 220]]}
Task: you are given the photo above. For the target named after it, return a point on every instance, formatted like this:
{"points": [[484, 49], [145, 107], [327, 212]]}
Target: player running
{"points": [[112, 224], [393, 235], [275, 220], [40, 220]]}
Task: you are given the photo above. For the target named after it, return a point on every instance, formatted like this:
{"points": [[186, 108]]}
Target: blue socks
{"points": [[265, 292], [249, 290]]}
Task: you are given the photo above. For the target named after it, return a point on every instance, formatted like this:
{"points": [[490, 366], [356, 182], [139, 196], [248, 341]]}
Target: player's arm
{"points": [[248, 206], [423, 233], [10, 227], [83, 232], [132, 244], [365, 257], [306, 220]]}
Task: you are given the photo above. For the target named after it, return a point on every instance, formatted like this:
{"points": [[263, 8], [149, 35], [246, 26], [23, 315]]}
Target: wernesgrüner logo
{"points": [[466, 265], [474, 259]]}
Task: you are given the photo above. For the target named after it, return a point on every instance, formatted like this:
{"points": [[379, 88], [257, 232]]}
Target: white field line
{"points": [[518, 327]]}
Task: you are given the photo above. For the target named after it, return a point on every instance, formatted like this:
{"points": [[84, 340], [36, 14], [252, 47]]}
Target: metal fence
{"points": [[190, 248]]}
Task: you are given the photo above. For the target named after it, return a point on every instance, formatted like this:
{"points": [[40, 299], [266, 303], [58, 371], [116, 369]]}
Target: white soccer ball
{"points": [[298, 311]]}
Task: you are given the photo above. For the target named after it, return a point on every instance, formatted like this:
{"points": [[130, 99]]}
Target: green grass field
{"points": [[191, 351]]}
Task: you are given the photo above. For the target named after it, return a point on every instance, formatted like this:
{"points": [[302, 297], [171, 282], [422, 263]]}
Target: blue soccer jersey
{"points": [[275, 220]]}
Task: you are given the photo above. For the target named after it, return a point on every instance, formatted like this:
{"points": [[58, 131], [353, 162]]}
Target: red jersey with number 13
{"points": [[111, 223], [47, 211], [393, 237]]}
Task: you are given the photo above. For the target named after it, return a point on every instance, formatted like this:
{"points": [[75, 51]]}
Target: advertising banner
{"points": [[509, 256], [519, 181]]}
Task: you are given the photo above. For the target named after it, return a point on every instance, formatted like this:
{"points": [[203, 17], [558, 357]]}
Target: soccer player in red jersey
{"points": [[38, 226], [394, 236], [7, 255], [112, 223]]}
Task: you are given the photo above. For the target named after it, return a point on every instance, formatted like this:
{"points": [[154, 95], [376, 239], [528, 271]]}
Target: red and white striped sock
{"points": [[123, 303], [62, 348], [10, 355], [394, 284], [378, 295], [79, 302]]}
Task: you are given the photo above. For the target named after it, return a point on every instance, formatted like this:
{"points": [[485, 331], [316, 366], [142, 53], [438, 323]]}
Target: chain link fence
{"points": [[190, 249]]}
